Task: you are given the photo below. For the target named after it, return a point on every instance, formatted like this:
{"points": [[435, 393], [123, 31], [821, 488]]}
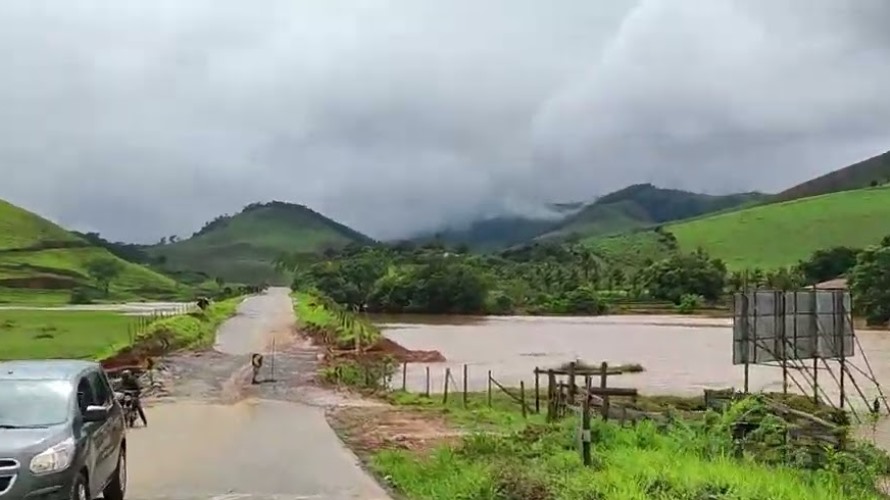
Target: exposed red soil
{"points": [[368, 429], [40, 283], [384, 347], [136, 357], [388, 347]]}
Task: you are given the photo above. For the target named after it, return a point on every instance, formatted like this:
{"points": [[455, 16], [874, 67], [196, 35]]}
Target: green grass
{"points": [[687, 460], [243, 247], [63, 334], [196, 329], [40, 263], [312, 312], [781, 234], [504, 414], [22, 229], [28, 334], [28, 297], [765, 236]]}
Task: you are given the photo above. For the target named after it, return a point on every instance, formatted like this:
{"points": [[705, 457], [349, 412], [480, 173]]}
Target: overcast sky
{"points": [[143, 119]]}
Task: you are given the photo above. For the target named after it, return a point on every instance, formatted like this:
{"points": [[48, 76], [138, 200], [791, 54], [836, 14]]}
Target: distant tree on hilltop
{"points": [[104, 271]]}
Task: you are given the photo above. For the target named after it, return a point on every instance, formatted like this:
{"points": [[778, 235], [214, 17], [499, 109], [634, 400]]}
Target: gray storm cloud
{"points": [[143, 119]]}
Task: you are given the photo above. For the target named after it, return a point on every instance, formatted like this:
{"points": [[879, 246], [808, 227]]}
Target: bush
{"points": [[689, 303], [584, 300], [82, 296], [499, 303]]}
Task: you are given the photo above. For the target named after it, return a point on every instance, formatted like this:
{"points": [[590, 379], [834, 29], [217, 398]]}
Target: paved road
{"points": [[255, 449]]}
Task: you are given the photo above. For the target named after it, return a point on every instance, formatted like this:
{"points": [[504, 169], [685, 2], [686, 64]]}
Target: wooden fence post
{"points": [[551, 396], [427, 381], [572, 383], [605, 373], [537, 393], [405, 376], [522, 398], [447, 376], [585, 423], [465, 385], [489, 388]]}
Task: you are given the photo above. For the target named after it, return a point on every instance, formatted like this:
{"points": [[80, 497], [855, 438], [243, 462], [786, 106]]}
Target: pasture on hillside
{"points": [[777, 235], [40, 263]]}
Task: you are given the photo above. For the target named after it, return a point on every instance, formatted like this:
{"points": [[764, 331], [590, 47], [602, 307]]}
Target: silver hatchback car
{"points": [[62, 433]]}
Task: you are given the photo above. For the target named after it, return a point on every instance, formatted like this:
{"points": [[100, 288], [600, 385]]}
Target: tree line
{"points": [[542, 278], [563, 278]]}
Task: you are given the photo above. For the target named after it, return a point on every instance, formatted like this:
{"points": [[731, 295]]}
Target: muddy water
{"points": [[681, 355]]}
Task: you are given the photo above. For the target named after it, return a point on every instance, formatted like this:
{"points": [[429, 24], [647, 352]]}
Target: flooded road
{"points": [[681, 355], [272, 445]]}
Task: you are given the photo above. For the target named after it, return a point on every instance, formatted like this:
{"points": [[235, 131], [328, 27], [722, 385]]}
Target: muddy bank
{"points": [[387, 348]]}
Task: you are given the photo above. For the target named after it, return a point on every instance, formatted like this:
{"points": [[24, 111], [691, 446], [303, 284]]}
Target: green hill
{"points": [[870, 172], [491, 234], [39, 259], [643, 205], [765, 236], [242, 247]]}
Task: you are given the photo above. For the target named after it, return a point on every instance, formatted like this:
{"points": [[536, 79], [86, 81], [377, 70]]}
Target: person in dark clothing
{"points": [[131, 384]]}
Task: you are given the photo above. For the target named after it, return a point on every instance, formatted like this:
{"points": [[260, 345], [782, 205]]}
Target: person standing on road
{"points": [[131, 384]]}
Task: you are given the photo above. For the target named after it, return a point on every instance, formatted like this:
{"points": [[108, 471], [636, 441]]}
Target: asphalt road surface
{"points": [[254, 449]]}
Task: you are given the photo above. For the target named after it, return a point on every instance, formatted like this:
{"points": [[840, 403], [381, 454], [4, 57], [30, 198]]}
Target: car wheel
{"points": [[79, 490], [118, 485]]}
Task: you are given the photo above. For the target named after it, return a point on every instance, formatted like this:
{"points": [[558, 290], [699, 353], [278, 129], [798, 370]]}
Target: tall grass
{"points": [[197, 329], [324, 317], [684, 460]]}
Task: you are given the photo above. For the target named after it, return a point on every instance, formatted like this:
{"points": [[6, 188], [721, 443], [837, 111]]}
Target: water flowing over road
{"points": [[266, 442]]}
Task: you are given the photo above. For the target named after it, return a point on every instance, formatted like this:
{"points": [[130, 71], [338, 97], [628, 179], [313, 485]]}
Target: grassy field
{"points": [[781, 234], [28, 334], [242, 248], [63, 334], [766, 236], [41, 263], [505, 456]]}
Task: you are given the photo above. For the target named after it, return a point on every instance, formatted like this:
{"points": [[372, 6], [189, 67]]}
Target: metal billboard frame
{"points": [[772, 326]]}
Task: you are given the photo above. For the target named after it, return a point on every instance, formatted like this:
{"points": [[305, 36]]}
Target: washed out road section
{"points": [[255, 449]]}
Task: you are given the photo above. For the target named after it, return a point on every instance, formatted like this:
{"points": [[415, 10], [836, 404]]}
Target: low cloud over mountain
{"points": [[142, 119]]}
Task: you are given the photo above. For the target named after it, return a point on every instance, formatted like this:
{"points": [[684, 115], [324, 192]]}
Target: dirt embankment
{"points": [[139, 355], [382, 348]]}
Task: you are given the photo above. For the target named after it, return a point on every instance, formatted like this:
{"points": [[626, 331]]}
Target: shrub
{"points": [[689, 303]]}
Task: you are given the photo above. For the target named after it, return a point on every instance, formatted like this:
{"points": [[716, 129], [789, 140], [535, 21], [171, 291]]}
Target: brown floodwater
{"points": [[681, 355]]}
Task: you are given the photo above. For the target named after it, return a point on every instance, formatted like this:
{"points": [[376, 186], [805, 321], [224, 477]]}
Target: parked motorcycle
{"points": [[127, 400]]}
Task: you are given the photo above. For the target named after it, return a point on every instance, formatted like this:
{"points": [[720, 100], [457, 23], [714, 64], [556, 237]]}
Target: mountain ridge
{"points": [[243, 247]]}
